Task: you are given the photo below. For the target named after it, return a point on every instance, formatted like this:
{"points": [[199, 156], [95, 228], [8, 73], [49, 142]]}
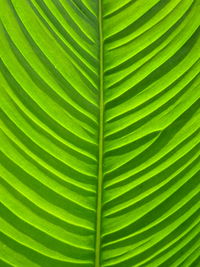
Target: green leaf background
{"points": [[99, 133]]}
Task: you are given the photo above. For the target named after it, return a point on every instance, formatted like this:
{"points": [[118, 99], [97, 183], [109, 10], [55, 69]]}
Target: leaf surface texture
{"points": [[99, 133]]}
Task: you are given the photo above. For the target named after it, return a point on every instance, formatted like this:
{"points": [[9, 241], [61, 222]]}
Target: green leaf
{"points": [[100, 133]]}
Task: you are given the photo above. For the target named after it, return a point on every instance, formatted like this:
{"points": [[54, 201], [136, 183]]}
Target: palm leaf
{"points": [[100, 151]]}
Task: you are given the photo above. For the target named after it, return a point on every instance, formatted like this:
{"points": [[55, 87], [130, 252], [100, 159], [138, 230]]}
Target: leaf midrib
{"points": [[101, 139]]}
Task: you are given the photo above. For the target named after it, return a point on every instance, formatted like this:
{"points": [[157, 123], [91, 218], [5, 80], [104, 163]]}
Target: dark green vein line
{"points": [[101, 140]]}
